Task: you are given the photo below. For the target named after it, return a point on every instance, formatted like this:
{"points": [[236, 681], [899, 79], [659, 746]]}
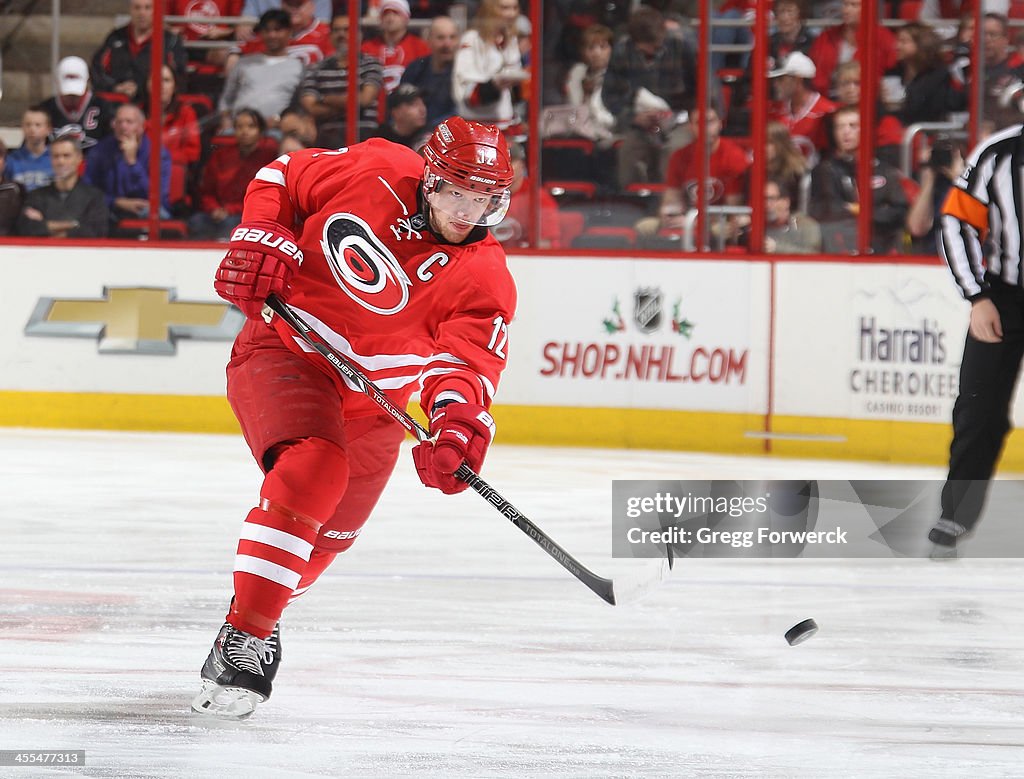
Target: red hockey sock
{"points": [[318, 562], [273, 550]]}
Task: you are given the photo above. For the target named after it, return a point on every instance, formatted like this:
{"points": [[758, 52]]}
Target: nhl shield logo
{"points": [[647, 308]]}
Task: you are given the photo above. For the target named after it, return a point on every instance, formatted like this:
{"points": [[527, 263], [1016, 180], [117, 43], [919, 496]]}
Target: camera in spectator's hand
{"points": [[942, 154]]}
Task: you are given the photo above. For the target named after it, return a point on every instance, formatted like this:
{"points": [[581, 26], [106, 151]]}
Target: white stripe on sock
{"points": [[267, 570], [251, 531]]}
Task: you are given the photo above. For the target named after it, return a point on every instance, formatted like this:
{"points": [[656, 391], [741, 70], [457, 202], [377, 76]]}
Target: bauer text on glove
{"points": [[262, 257]]}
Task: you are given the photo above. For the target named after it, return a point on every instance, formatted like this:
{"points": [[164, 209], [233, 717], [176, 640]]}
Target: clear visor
{"points": [[466, 205]]}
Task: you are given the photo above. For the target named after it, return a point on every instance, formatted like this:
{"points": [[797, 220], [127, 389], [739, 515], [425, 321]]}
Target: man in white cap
{"points": [[75, 110], [800, 107], [394, 45]]}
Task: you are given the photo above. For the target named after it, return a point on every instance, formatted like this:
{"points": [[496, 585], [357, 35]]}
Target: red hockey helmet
{"points": [[472, 157]]}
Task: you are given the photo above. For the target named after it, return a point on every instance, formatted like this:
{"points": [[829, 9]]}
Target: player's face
{"points": [[454, 212]]}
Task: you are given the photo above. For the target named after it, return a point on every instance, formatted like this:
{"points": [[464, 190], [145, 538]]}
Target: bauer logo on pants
{"points": [[139, 320]]}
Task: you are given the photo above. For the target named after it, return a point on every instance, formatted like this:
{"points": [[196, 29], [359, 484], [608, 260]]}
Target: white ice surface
{"points": [[446, 644]]}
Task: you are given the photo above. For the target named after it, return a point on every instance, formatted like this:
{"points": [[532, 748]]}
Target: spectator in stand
{"points": [[407, 118], [728, 35], [800, 107], [29, 164], [726, 184], [121, 64], [784, 162], [227, 173], [75, 109], [394, 46], [651, 79], [432, 74], [919, 87], [180, 137], [786, 231], [513, 231], [264, 81], [425, 9], [835, 200], [488, 70], [119, 167], [291, 142], [299, 122], [323, 91], [195, 29], [67, 208], [309, 38], [1003, 72], [254, 9], [839, 44], [791, 33], [889, 130], [942, 166], [584, 79], [11, 195]]}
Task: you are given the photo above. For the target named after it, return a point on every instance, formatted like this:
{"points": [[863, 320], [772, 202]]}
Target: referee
{"points": [[981, 238]]}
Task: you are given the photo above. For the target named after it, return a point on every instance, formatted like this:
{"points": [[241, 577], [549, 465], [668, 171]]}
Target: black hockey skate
{"points": [[945, 535], [238, 674]]}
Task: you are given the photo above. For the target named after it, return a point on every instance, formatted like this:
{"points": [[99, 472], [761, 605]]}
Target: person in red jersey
{"points": [[388, 256]]}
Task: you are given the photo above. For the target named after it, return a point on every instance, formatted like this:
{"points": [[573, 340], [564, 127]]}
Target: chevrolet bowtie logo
{"points": [[138, 320]]}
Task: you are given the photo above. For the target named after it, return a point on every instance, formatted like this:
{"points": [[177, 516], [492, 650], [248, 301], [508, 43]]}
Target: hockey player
{"points": [[388, 256]]}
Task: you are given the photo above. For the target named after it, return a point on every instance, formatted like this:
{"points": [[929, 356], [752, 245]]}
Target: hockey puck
{"points": [[801, 631]]}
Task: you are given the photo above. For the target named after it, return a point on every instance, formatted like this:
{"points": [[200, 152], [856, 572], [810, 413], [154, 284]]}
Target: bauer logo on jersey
{"points": [[363, 267]]}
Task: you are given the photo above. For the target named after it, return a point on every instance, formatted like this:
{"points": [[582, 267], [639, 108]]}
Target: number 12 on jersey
{"points": [[499, 337]]}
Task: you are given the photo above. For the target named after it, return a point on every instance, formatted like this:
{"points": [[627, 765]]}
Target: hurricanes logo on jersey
{"points": [[363, 267]]}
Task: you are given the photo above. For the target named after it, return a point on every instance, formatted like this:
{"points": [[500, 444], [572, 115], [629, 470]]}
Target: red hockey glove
{"points": [[261, 260], [463, 432]]}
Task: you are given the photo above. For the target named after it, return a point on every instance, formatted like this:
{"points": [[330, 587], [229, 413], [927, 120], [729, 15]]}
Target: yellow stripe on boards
{"points": [[790, 436]]}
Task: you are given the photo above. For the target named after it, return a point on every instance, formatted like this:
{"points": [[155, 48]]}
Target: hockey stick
{"points": [[612, 591]]}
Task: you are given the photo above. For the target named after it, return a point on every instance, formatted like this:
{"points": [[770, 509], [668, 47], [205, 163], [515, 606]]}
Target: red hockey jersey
{"points": [[412, 311]]}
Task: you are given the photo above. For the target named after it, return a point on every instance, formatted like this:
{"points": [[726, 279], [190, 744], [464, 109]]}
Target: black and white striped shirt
{"points": [[983, 216]]}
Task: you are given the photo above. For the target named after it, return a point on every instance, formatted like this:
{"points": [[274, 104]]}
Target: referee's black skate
{"points": [[238, 674], [945, 535]]}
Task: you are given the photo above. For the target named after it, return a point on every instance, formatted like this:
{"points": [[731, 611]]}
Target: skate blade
{"points": [[943, 554], [232, 703]]}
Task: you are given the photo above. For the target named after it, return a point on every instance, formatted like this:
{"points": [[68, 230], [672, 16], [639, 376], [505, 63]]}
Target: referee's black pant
{"points": [[981, 414]]}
